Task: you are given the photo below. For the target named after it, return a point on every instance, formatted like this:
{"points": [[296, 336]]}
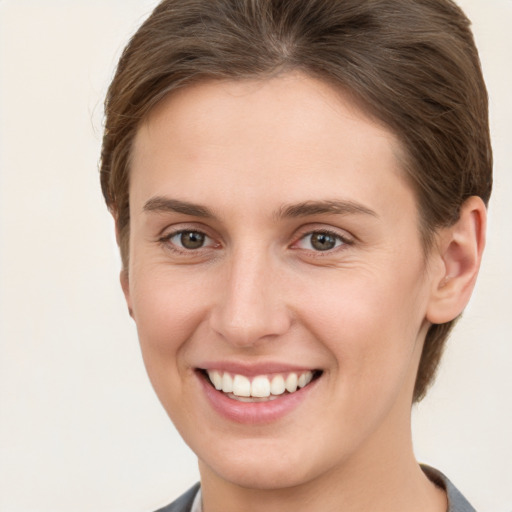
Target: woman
{"points": [[300, 191]]}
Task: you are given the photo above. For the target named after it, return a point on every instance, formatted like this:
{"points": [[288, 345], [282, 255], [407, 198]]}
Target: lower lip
{"points": [[254, 412]]}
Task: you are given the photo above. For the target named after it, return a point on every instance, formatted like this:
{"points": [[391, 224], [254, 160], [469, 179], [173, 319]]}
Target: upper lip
{"points": [[253, 369]]}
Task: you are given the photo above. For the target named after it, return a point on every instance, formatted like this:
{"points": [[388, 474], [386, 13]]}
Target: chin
{"points": [[259, 475], [262, 464]]}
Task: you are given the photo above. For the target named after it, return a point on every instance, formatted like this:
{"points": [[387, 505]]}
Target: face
{"points": [[277, 279]]}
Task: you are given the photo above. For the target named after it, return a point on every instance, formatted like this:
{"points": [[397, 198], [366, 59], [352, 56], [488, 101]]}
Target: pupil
{"points": [[192, 240], [322, 241]]}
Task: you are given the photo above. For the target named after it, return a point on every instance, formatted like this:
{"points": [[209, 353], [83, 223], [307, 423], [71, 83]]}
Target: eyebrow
{"points": [[162, 204], [332, 207]]}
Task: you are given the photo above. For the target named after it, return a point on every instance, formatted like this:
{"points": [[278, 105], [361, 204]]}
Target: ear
{"points": [[456, 262], [125, 285]]}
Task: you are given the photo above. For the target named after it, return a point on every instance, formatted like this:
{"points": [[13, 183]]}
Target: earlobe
{"points": [[125, 285], [459, 253]]}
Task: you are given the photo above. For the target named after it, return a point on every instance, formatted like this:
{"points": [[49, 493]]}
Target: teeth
{"points": [[252, 399], [227, 383], [291, 383], [261, 386], [216, 379], [277, 387], [241, 386]]}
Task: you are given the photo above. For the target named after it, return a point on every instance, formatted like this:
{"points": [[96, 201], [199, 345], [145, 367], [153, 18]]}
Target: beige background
{"points": [[80, 428]]}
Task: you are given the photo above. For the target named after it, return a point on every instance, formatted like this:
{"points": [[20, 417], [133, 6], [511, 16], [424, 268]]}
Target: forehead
{"points": [[291, 135], [302, 101]]}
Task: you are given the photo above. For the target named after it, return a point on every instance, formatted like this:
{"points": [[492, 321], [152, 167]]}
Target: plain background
{"points": [[80, 427]]}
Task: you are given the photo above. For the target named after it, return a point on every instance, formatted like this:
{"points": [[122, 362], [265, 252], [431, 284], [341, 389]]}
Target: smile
{"points": [[260, 387], [259, 394]]}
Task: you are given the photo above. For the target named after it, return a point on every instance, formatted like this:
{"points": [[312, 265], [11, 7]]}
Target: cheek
{"points": [[369, 322], [373, 340], [166, 311]]}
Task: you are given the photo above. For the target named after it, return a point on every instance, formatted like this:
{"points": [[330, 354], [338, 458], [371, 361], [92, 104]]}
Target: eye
{"points": [[188, 240], [321, 241]]}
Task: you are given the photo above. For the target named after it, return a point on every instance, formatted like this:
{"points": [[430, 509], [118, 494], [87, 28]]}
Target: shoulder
{"points": [[183, 503], [456, 501]]}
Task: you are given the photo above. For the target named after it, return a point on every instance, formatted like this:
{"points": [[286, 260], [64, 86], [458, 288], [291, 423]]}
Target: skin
{"points": [[258, 291]]}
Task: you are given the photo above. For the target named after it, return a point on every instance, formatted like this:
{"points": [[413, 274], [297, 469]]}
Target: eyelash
{"points": [[340, 241]]}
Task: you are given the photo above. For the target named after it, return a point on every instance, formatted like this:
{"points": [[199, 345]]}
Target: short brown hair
{"points": [[412, 64]]}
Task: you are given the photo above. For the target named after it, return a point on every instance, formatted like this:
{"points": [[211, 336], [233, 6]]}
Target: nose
{"points": [[251, 308]]}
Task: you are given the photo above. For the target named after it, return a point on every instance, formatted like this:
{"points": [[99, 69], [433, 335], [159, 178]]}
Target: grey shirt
{"points": [[191, 500], [456, 502]]}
